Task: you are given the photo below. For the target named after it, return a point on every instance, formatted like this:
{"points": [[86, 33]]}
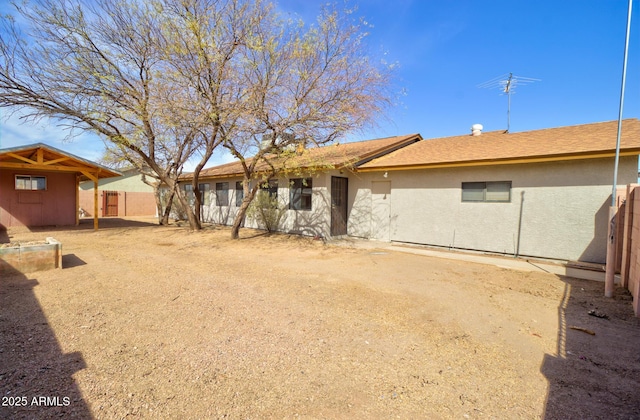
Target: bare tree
{"points": [[106, 66], [115, 156], [304, 85], [164, 81], [208, 41]]}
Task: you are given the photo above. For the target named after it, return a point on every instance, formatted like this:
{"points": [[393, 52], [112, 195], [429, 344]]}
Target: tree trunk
{"points": [[197, 207], [159, 210], [194, 224], [163, 212], [167, 211], [242, 211]]}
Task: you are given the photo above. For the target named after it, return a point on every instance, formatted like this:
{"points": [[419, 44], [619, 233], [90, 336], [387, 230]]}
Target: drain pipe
{"points": [[609, 280]]}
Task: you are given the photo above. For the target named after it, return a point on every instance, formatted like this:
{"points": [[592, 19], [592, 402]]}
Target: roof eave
{"points": [[349, 164], [412, 138], [100, 170], [505, 161]]}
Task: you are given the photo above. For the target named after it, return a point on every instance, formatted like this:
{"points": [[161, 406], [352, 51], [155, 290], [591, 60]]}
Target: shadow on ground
{"points": [[112, 223], [84, 225], [72, 260], [35, 374], [588, 378]]}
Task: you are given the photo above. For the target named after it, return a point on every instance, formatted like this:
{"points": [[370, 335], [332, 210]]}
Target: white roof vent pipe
{"points": [[476, 129]]}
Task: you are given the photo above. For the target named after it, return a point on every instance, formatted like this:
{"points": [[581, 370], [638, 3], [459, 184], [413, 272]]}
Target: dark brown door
{"points": [[339, 205], [110, 204]]}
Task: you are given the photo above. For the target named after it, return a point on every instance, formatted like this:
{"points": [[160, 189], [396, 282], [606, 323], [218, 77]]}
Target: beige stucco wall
{"points": [[557, 210], [314, 222], [130, 182]]}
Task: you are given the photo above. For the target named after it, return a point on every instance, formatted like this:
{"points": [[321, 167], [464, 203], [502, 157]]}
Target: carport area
{"points": [[39, 186]]}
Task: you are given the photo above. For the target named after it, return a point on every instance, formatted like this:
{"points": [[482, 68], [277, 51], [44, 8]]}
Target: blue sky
{"points": [[446, 48]]}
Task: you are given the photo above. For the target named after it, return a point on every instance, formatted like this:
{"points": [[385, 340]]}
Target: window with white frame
{"points": [[489, 192], [31, 183]]}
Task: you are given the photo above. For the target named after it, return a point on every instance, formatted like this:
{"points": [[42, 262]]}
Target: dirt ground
{"points": [[157, 322]]}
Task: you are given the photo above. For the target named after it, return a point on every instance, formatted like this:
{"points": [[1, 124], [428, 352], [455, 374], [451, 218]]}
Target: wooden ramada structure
{"points": [[39, 186]]}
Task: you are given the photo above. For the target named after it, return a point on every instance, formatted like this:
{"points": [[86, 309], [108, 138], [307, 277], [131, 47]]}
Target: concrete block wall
{"points": [[129, 203], [137, 204]]}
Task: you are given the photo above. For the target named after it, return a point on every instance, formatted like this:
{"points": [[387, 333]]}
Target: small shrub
{"points": [[177, 210], [267, 211]]}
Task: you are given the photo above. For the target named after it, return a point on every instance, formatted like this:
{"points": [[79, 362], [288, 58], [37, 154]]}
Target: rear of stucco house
{"points": [[315, 201], [554, 210], [310, 215], [542, 193]]}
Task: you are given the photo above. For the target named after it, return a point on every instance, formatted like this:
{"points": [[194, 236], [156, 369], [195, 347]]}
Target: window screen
{"points": [[300, 193], [239, 194], [498, 191], [222, 193], [204, 194], [493, 191], [31, 183], [271, 187], [473, 191]]}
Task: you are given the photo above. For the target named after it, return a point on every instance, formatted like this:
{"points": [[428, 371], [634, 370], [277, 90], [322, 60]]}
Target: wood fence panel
{"points": [[634, 271], [625, 260], [630, 247]]}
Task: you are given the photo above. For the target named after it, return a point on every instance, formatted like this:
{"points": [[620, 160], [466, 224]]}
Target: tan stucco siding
{"points": [[564, 211], [314, 222], [129, 183], [359, 210], [222, 215]]}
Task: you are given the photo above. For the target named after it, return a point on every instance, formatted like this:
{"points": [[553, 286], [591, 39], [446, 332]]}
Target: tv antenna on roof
{"points": [[507, 83]]}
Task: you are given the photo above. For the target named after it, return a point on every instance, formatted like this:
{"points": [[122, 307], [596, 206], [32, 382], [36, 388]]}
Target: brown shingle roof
{"points": [[334, 156], [573, 142]]}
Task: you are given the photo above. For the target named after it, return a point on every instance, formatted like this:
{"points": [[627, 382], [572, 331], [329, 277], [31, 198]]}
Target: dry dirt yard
{"points": [[157, 322]]}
